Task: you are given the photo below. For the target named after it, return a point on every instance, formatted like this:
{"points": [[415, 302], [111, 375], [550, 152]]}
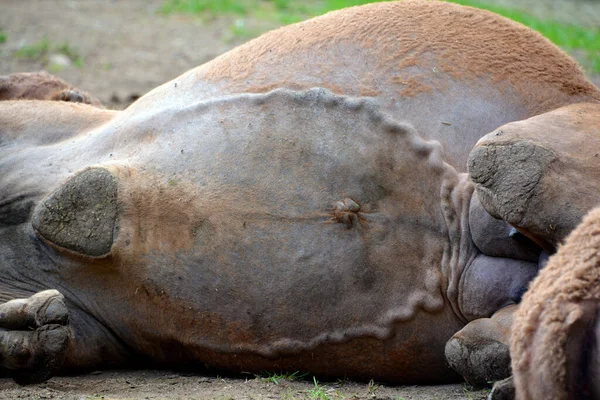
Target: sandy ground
{"points": [[127, 49]]}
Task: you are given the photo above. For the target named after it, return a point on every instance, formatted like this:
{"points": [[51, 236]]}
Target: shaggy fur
{"points": [[549, 333], [42, 86]]}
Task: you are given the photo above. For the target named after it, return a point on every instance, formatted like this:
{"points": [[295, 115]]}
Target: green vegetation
{"points": [[66, 49], [240, 30], [215, 7], [583, 41], [275, 378], [372, 388], [3, 36], [281, 11], [469, 391], [317, 392], [593, 62], [36, 51], [41, 50]]}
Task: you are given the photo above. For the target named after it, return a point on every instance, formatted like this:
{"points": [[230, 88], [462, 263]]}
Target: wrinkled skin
{"points": [[236, 219], [42, 86], [550, 164], [541, 175]]}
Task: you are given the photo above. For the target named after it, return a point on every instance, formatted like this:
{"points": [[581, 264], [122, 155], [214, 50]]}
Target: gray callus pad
{"points": [[80, 216]]}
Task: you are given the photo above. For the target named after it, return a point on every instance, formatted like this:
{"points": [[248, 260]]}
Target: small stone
{"points": [[59, 60]]}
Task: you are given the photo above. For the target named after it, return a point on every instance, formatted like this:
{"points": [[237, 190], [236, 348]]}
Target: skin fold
{"points": [[550, 161]]}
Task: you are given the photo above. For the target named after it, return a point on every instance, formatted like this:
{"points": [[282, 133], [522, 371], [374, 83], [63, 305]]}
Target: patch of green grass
{"points": [[275, 378], [35, 51], [66, 49], [271, 378], [53, 68], [470, 392], [40, 51], [215, 7], [317, 392], [282, 11], [467, 391], [593, 60], [372, 388], [78, 63], [3, 37], [240, 30]]}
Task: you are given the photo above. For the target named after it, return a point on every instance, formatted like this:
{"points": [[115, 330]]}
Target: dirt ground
{"points": [[118, 51], [153, 384]]}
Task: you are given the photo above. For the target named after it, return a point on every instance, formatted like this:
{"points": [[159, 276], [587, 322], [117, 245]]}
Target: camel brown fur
{"points": [[415, 48], [42, 86], [552, 345], [415, 57]]}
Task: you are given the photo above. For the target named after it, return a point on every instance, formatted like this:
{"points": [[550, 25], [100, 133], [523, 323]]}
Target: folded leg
{"points": [[34, 333], [480, 351]]}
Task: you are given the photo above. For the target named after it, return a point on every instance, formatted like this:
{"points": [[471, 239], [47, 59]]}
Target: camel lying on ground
{"points": [[298, 203]]}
